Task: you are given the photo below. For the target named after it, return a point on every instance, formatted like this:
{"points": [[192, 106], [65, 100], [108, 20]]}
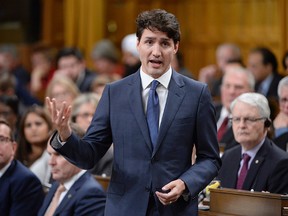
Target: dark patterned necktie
{"points": [[153, 112]]}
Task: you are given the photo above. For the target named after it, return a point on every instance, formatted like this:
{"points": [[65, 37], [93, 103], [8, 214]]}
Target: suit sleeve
{"points": [[28, 197], [208, 161]]}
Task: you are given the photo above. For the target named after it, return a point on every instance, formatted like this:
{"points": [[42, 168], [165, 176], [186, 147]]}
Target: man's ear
{"points": [[176, 47], [14, 147]]}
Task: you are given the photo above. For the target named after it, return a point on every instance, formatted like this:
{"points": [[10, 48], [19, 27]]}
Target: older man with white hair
{"points": [[257, 163]]}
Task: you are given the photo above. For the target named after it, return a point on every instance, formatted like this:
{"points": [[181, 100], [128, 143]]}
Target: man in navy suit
{"points": [[83, 195], [267, 166], [146, 179], [21, 191]]}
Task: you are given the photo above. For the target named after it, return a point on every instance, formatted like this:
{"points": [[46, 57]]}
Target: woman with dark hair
{"points": [[34, 132]]}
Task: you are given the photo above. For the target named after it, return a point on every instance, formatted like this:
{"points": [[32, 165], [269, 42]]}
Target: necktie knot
{"points": [[154, 85], [245, 158]]}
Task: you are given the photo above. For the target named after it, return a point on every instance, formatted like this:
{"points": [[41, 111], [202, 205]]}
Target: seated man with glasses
{"points": [[280, 123], [257, 164], [21, 191]]}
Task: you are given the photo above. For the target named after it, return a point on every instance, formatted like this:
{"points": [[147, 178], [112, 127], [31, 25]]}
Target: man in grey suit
{"points": [[152, 170]]}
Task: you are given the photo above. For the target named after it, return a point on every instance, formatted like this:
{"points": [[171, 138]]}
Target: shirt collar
{"points": [[68, 184], [163, 80], [252, 152], [3, 170]]}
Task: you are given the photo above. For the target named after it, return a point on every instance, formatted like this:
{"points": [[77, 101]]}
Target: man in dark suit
{"points": [[70, 62], [263, 64], [266, 166], [21, 191], [82, 195], [152, 169], [236, 80]]}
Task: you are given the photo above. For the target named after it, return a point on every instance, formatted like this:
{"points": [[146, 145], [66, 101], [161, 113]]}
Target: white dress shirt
{"points": [[162, 89]]}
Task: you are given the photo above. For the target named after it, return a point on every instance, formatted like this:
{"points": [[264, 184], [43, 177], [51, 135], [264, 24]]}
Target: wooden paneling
{"points": [[204, 24]]}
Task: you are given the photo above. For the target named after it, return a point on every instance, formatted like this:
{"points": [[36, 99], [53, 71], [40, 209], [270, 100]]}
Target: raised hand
{"points": [[60, 118]]}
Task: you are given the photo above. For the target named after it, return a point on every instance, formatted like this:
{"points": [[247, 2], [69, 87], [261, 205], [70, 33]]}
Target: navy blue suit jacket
{"points": [[85, 197], [268, 171], [138, 170], [21, 191]]}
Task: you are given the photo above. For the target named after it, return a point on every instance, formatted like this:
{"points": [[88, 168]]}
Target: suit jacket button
{"points": [[147, 189]]}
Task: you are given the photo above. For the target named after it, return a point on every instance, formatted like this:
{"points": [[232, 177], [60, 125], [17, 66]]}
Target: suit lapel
{"points": [[136, 104], [71, 193], [175, 97], [49, 197], [234, 164], [255, 167]]}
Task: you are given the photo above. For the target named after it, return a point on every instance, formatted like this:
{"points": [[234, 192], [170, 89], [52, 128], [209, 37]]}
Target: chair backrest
{"points": [[103, 180]]}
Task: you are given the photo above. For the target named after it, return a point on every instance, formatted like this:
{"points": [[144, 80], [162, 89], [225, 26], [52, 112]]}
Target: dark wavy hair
{"points": [[24, 147], [161, 20]]}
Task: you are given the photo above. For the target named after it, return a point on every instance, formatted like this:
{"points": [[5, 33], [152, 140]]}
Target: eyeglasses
{"points": [[248, 120], [283, 100], [4, 139]]}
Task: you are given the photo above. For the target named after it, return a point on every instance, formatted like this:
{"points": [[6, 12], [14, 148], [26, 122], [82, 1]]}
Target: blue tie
{"points": [[153, 112]]}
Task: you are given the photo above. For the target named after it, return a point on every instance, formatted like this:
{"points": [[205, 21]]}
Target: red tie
{"points": [[243, 172], [222, 129]]}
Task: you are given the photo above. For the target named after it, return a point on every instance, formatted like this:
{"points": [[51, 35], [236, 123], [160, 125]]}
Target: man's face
{"points": [[85, 115], [156, 52], [70, 66], [7, 114], [256, 66], [284, 100], [223, 56], [233, 84], [7, 146], [61, 169], [248, 131]]}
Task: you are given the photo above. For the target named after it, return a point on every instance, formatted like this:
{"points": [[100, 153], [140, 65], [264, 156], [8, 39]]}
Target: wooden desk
{"points": [[104, 181], [237, 202]]}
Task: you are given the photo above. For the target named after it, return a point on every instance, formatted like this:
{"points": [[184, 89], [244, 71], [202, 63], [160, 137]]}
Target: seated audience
{"points": [[130, 55], [99, 83], [71, 63], [35, 130], [236, 80], [212, 74], [62, 89], [21, 192], [10, 63], [43, 68], [178, 65], [83, 109], [105, 57], [280, 123], [9, 110], [257, 164], [263, 64], [74, 191], [285, 63]]}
